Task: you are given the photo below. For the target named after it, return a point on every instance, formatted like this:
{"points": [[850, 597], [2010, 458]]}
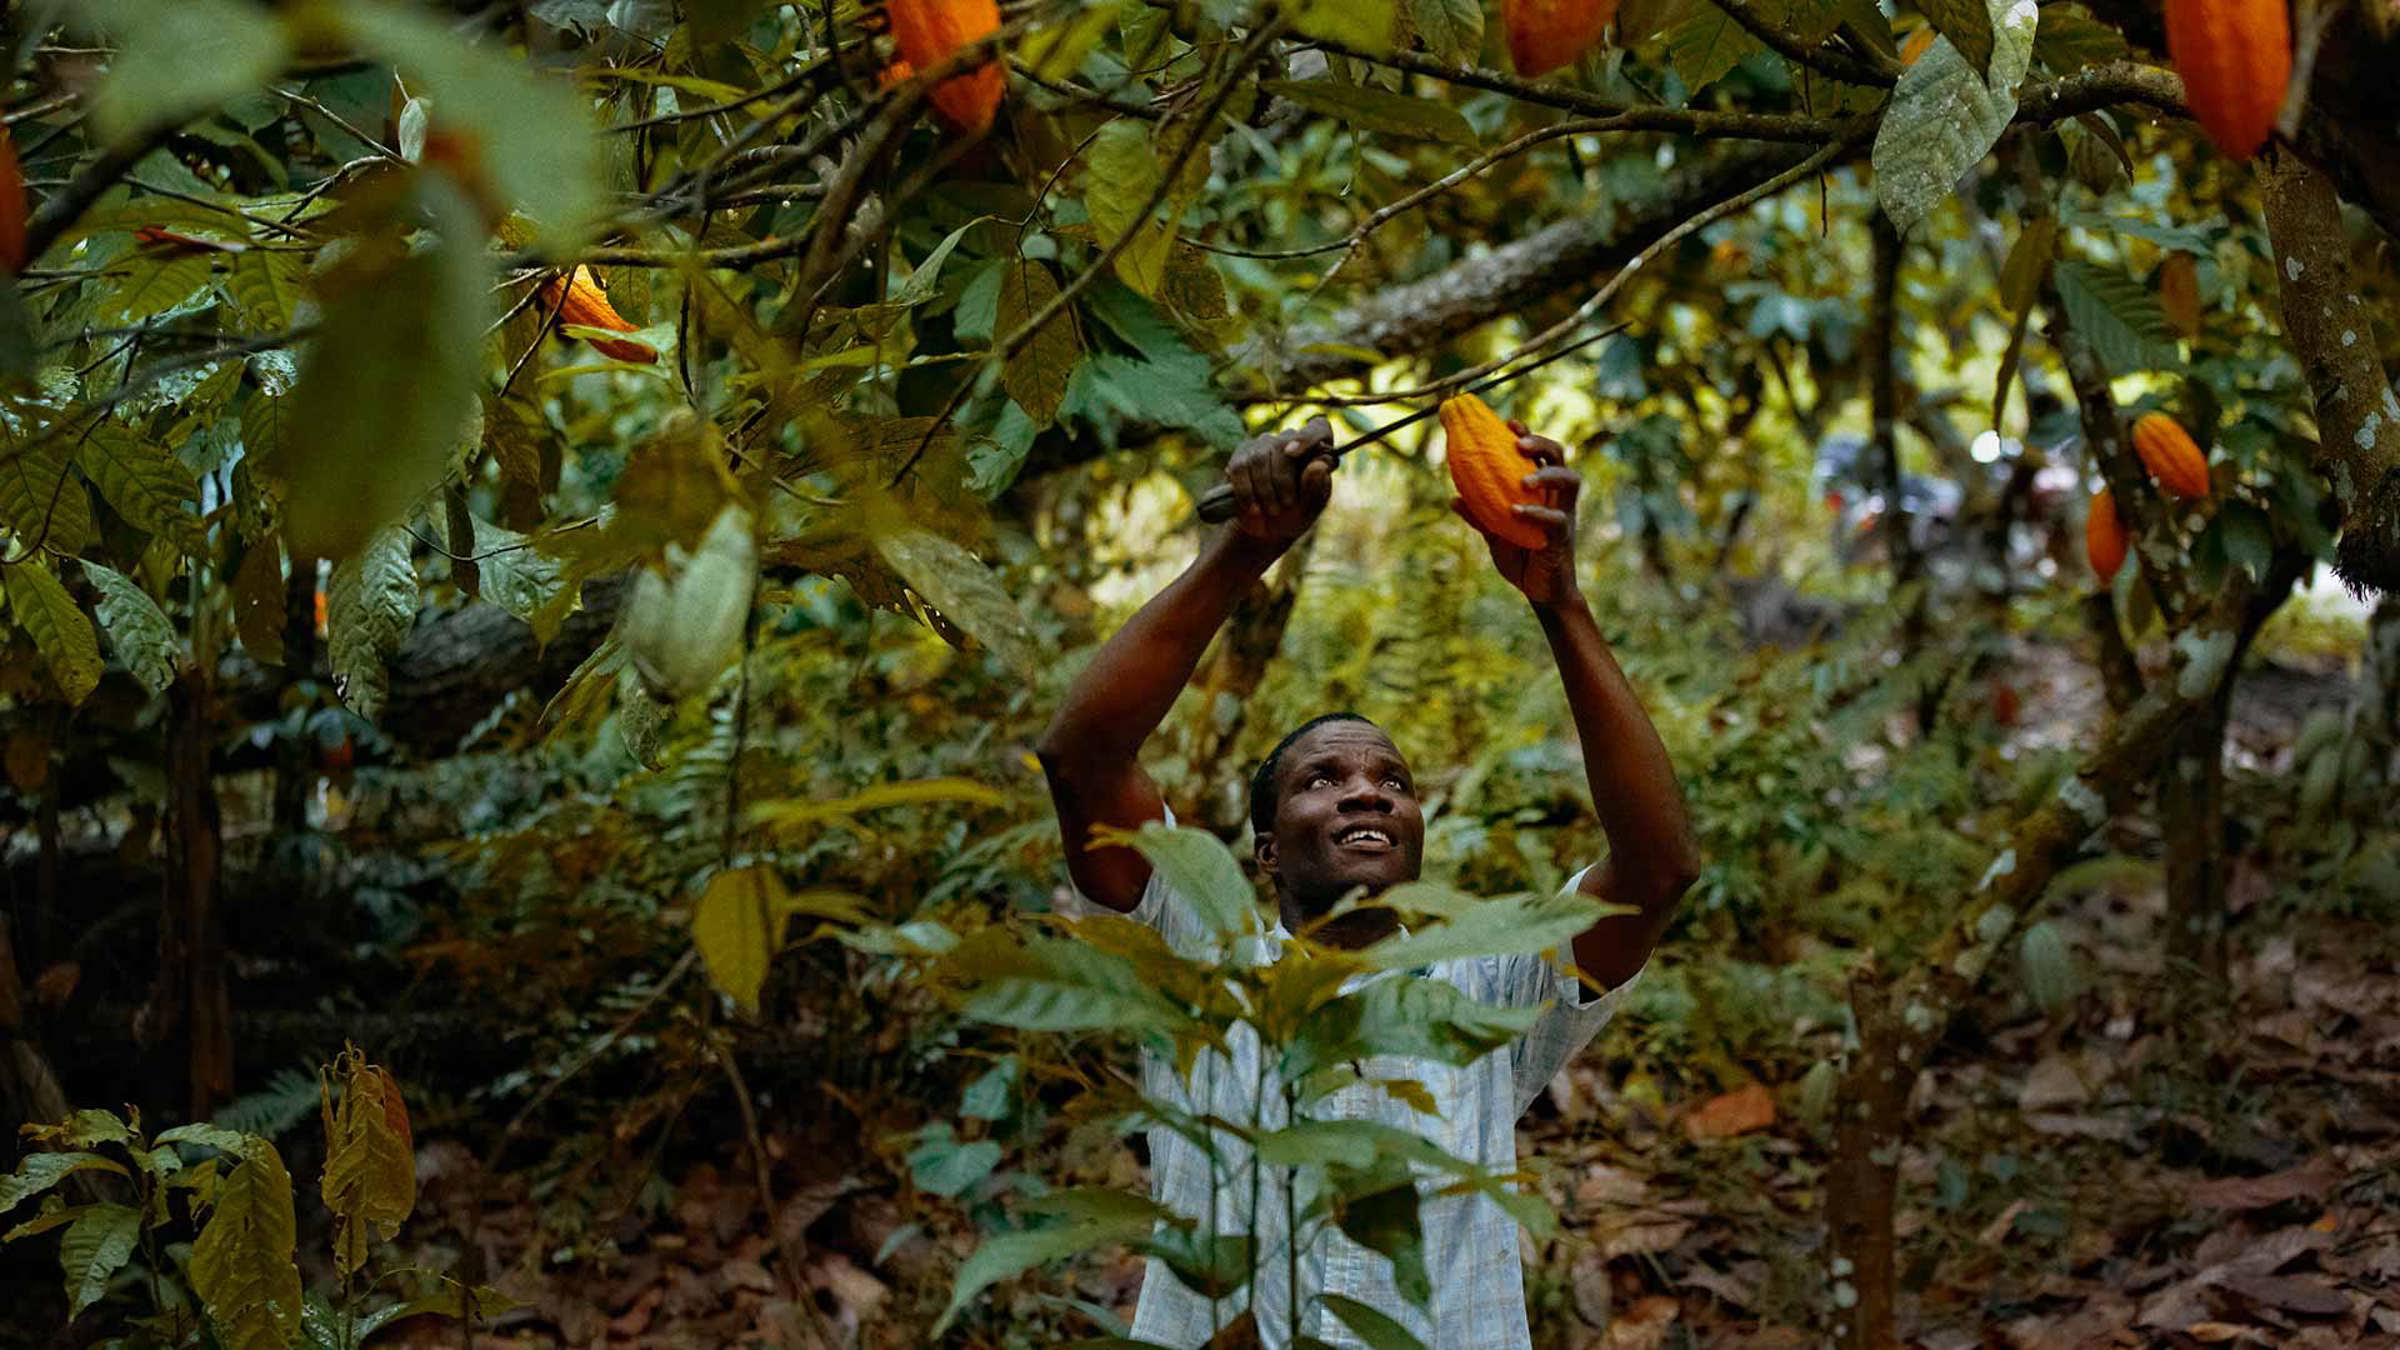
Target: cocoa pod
{"points": [[12, 207], [586, 306], [1917, 45], [2168, 452], [930, 30], [1544, 35], [2235, 57], [1488, 469], [2179, 293], [2104, 535]]}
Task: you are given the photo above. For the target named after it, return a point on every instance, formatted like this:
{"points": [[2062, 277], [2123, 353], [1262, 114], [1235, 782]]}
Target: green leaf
{"points": [[1355, 1144], [2072, 39], [241, 1267], [176, 60], [1036, 377], [1055, 50], [143, 481], [987, 1098], [533, 132], [918, 286], [1198, 867], [1410, 1018], [2118, 316], [1366, 24], [1968, 25], [520, 578], [138, 631], [1377, 110], [1121, 170], [956, 583], [1170, 395], [794, 813], [1511, 925], [154, 284], [40, 501], [38, 1172], [685, 625], [209, 1136], [1212, 1267], [96, 1246], [2050, 975], [387, 389], [944, 1165], [1385, 1221], [61, 631], [1049, 984], [20, 343], [1010, 1254], [1379, 1331], [2028, 262], [268, 287], [738, 927], [370, 604], [1705, 43], [1452, 29], [1945, 117]]}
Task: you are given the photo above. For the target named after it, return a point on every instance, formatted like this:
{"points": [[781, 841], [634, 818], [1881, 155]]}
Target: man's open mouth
{"points": [[1364, 838]]}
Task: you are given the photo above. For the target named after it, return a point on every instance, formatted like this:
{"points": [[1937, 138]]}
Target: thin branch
{"points": [[67, 206], [1825, 61]]}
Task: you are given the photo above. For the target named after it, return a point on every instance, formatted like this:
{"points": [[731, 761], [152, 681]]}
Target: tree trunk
{"points": [[2191, 822], [1863, 1277], [191, 1007]]}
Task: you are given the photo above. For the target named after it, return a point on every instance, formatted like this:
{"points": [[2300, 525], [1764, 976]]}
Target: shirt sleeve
{"points": [[1574, 1015], [1160, 909]]}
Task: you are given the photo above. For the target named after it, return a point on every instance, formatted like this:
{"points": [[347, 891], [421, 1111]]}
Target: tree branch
{"points": [[2326, 320]]}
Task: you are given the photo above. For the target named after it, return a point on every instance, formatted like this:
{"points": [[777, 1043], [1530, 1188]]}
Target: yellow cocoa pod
{"points": [[2179, 293], [930, 30], [2167, 451], [585, 305], [2104, 536], [1488, 469], [2235, 57], [1546, 34]]}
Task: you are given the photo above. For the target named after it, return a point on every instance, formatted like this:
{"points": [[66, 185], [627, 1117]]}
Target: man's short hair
{"points": [[1262, 783]]}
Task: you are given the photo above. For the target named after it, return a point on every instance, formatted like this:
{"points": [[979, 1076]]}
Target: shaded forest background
{"points": [[609, 714]]}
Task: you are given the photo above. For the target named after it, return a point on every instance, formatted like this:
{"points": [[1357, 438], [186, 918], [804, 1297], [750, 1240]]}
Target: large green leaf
{"points": [[143, 481], [1944, 116], [533, 134], [1198, 866], [175, 60], [1704, 43], [41, 502], [370, 604], [387, 390], [1051, 984], [2072, 39], [1121, 171], [1510, 925], [945, 1165], [2118, 315], [1452, 30], [1366, 24], [1415, 1019], [241, 1267], [957, 583], [1377, 1329], [138, 631], [1377, 110], [38, 1172], [1011, 1254], [1036, 377], [96, 1246], [61, 631]]}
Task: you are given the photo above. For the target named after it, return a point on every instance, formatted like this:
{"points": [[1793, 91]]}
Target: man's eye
{"points": [[1398, 782], [1318, 779]]}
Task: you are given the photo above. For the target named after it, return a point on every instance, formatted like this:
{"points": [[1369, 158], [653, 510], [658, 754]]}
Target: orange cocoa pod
{"points": [[2179, 293], [930, 30], [12, 207], [2104, 535], [1546, 34], [2167, 451], [1488, 469], [2235, 57], [1916, 45], [586, 306]]}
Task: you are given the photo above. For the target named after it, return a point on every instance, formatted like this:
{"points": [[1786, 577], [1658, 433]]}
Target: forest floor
{"points": [[2135, 1171]]}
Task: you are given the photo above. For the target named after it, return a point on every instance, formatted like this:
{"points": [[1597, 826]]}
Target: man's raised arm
{"points": [[1652, 857], [1089, 750]]}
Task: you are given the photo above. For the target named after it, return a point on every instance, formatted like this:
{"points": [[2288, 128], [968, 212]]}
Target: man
{"points": [[1335, 810]]}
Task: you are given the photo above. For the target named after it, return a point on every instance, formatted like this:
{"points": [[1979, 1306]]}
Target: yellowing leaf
{"points": [[61, 631], [242, 1265], [370, 604], [96, 1245], [370, 1181], [41, 501], [142, 481], [1036, 377], [787, 814], [738, 926]]}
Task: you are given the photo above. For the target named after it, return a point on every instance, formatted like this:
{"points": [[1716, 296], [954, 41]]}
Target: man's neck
{"points": [[1352, 931]]}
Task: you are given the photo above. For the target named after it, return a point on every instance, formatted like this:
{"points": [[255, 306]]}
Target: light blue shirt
{"points": [[1470, 1243]]}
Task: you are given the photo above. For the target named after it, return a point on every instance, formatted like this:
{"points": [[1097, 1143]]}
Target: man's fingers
{"points": [[1540, 449], [1550, 518], [1316, 483], [1317, 430], [1559, 483]]}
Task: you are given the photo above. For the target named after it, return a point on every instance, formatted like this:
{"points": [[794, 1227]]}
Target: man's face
{"points": [[1346, 816]]}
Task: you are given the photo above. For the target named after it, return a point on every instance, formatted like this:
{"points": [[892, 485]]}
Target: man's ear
{"points": [[1262, 848]]}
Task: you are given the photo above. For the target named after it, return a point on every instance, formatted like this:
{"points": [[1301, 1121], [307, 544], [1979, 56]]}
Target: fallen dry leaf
{"points": [[1728, 1114], [2311, 1180]]}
